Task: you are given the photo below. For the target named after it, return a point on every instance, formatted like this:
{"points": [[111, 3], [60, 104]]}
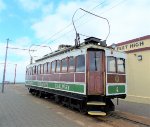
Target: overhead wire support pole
{"points": [[5, 67], [15, 74]]}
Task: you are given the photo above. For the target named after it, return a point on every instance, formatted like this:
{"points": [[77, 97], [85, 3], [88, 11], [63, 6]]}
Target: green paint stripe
{"points": [[114, 89], [59, 86]]}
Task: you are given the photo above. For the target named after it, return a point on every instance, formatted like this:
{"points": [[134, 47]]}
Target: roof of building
{"points": [[134, 40]]}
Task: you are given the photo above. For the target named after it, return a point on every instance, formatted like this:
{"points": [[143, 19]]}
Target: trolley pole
{"points": [[5, 67], [15, 74]]}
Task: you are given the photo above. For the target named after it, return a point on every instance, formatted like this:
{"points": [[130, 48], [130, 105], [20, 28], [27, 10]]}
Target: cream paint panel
{"points": [[61, 56], [74, 52], [115, 53], [134, 45], [138, 75]]}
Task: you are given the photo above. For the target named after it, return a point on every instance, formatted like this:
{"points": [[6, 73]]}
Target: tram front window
{"points": [[111, 64], [115, 65], [121, 65], [95, 60]]}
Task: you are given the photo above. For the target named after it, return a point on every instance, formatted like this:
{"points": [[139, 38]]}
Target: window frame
{"points": [[58, 71], [115, 65], [64, 70], [121, 64], [54, 67], [39, 69], [48, 67], [76, 61], [95, 63], [30, 70], [42, 69], [45, 68]]}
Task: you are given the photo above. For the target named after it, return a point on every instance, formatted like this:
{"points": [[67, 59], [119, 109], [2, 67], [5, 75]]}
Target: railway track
{"points": [[115, 116], [112, 118]]}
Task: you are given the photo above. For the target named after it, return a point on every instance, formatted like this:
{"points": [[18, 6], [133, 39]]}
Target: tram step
{"points": [[95, 103], [96, 113]]}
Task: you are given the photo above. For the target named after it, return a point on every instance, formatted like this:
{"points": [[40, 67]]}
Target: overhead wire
{"points": [[71, 23], [59, 37], [87, 21], [67, 27]]}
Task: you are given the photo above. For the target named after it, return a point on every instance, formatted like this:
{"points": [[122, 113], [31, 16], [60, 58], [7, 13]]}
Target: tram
{"points": [[86, 76]]}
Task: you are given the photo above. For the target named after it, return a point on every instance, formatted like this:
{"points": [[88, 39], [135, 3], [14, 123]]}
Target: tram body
{"points": [[86, 78]]}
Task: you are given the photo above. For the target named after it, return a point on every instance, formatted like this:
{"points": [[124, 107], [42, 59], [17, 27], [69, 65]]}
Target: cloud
{"points": [[128, 19], [30, 5], [47, 9], [52, 23], [2, 5], [19, 57], [48, 25], [23, 41], [10, 71]]}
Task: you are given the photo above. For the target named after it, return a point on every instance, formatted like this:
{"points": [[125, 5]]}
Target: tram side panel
{"points": [[116, 82]]}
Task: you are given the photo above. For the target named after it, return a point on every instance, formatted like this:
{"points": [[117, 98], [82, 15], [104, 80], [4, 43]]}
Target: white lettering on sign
{"points": [[61, 86]]}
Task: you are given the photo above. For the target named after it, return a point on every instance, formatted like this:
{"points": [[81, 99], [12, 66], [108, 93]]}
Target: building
{"points": [[138, 68]]}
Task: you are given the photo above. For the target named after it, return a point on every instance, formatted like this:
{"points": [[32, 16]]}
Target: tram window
{"points": [[58, 66], [64, 65], [80, 65], [71, 64], [26, 71], [30, 70], [34, 70], [53, 66], [39, 69], [95, 60], [111, 64], [48, 67], [45, 68], [121, 65]]}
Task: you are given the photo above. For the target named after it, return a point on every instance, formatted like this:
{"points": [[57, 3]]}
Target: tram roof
{"points": [[96, 42]]}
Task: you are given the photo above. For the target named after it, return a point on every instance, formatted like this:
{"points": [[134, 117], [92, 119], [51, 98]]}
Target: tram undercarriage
{"points": [[92, 105]]}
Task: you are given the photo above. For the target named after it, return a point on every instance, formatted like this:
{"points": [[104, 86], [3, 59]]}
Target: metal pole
{"points": [[5, 67], [15, 74]]}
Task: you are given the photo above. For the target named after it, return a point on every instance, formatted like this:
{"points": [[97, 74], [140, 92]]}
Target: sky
{"points": [[28, 23]]}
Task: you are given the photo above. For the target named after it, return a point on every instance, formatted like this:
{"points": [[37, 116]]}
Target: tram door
{"points": [[95, 67]]}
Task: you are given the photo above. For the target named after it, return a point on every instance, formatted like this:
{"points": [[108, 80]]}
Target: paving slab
{"points": [[20, 109]]}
